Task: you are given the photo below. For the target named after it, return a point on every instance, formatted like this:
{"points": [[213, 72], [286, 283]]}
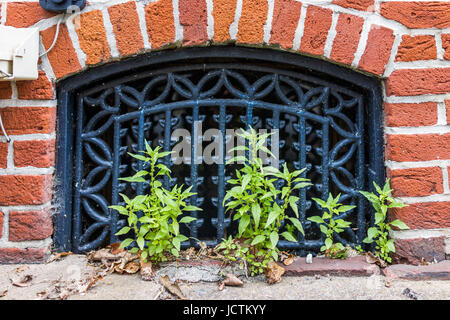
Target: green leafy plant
{"points": [[154, 217], [231, 249], [330, 226], [253, 200], [381, 202]]}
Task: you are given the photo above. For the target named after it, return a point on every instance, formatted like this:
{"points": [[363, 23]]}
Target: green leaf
{"points": [[126, 243], [191, 208], [124, 230], [125, 198], [368, 240], [243, 223], [320, 202], [175, 227], [379, 217], [256, 212], [272, 216], [342, 223], [297, 224], [390, 245], [293, 204], [187, 219], [120, 209], [176, 243], [274, 239], [140, 242], [175, 252], [345, 208], [288, 236], [372, 232], [399, 224], [323, 229], [139, 157], [144, 255], [245, 181], [328, 243], [258, 239], [316, 219]]}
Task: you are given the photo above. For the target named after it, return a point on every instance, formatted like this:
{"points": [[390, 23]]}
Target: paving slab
{"points": [[353, 266], [131, 287], [434, 271]]}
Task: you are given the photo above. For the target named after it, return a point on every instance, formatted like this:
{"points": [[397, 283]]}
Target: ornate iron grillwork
{"points": [[328, 118]]}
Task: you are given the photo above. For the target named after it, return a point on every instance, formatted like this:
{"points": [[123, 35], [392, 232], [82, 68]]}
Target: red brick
{"points": [[413, 82], [348, 32], [417, 182], [285, 20], [92, 37], [418, 14], [434, 271], [1, 224], [193, 18], [26, 120], [25, 14], [160, 23], [410, 114], [447, 106], [362, 5], [413, 48], [223, 14], [3, 155], [421, 147], [40, 89], [28, 255], [251, 23], [317, 25], [125, 22], [62, 57], [378, 50], [446, 45], [25, 189], [34, 153], [30, 225], [354, 266], [413, 251], [5, 90], [424, 215]]}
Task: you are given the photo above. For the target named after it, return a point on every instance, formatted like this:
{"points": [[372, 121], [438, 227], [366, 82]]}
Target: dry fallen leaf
{"points": [[90, 283], [370, 258], [423, 262], [173, 288], [21, 268], [233, 281], [273, 272], [131, 267], [59, 255], [4, 293], [22, 282], [220, 285], [147, 271], [288, 260]]}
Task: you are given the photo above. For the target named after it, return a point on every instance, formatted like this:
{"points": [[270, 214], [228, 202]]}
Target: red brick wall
{"points": [[404, 43]]}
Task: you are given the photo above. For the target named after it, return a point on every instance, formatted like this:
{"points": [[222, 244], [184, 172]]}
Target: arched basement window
{"points": [[329, 120]]}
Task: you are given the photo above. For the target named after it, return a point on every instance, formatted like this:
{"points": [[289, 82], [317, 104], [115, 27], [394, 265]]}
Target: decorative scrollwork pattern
{"points": [[320, 125]]}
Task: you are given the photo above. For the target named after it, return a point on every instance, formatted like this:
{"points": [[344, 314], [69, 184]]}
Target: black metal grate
{"points": [[329, 121]]}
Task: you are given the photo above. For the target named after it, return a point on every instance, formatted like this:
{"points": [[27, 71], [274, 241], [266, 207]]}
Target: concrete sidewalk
{"points": [[71, 275]]}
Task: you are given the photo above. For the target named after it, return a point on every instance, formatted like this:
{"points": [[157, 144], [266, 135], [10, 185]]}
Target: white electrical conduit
{"points": [[56, 35]]}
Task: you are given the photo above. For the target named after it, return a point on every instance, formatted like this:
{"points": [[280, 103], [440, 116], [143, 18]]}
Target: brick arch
{"points": [[405, 43], [342, 31]]}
